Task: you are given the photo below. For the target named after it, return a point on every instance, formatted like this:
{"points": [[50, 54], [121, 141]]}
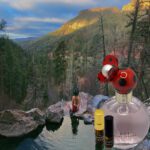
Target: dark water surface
{"points": [[71, 135]]}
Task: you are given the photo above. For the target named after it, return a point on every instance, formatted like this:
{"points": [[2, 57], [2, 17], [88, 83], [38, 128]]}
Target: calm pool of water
{"points": [[71, 135]]}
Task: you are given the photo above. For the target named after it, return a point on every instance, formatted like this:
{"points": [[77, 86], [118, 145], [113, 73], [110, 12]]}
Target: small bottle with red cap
{"points": [[131, 119]]}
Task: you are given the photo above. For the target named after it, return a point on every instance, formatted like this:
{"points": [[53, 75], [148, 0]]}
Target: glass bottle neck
{"points": [[124, 98]]}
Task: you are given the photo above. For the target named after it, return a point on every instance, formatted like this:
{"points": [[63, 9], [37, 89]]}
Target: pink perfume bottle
{"points": [[131, 120]]}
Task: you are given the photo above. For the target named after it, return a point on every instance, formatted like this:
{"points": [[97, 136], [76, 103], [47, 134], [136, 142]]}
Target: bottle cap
{"points": [[124, 80], [99, 119], [109, 127]]}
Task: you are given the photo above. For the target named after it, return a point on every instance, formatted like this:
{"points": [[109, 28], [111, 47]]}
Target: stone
{"points": [[17, 123], [88, 118], [96, 103], [37, 115], [148, 108], [55, 113], [84, 98], [88, 104]]}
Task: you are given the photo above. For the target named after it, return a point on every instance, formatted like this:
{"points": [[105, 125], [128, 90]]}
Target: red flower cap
{"points": [[123, 80], [109, 70], [101, 78], [111, 60]]}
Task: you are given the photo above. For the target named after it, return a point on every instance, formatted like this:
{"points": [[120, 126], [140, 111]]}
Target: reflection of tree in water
{"points": [[99, 147], [13, 143], [53, 126], [148, 135], [74, 124]]}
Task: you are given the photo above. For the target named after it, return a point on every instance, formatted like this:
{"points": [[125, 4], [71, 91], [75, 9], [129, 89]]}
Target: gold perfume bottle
{"points": [[99, 127]]}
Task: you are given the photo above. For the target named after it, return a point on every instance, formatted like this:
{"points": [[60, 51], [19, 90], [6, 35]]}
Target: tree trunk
{"points": [[104, 49], [131, 40]]}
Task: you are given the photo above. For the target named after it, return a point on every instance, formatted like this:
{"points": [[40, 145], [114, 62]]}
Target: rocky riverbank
{"points": [[18, 123]]}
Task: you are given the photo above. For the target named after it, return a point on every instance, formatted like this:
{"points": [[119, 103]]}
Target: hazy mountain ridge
{"points": [[84, 26], [86, 20]]}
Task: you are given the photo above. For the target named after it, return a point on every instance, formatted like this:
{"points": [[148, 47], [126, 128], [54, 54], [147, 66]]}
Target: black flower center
{"points": [[122, 82]]}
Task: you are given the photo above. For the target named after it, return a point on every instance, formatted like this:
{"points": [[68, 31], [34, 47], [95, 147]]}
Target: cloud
{"points": [[14, 35], [30, 27], [39, 17], [14, 27], [35, 29], [36, 19], [33, 25], [29, 4]]}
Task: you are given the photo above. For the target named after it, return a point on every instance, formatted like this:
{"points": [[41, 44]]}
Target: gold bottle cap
{"points": [[99, 119]]}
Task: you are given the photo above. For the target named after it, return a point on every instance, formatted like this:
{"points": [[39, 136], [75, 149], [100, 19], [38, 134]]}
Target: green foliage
{"points": [[139, 20], [74, 54], [38, 71], [81, 49], [13, 75], [143, 27], [60, 64]]}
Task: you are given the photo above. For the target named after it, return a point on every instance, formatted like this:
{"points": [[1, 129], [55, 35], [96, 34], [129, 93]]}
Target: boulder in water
{"points": [[148, 108], [96, 102], [88, 118], [37, 115], [85, 98], [55, 113], [17, 123]]}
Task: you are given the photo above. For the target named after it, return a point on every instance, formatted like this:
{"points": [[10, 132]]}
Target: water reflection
{"points": [[62, 139], [53, 126], [13, 143], [99, 146], [74, 124]]}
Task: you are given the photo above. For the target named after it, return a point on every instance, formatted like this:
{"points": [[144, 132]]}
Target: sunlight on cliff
{"points": [[145, 4], [74, 26]]}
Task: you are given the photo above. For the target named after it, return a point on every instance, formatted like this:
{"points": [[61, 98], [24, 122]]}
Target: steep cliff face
{"points": [[145, 4]]}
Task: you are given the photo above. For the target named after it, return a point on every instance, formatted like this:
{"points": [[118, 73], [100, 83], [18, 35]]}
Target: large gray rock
{"points": [[84, 98], [148, 108], [96, 102], [17, 123], [37, 115], [87, 107], [55, 113], [88, 118]]}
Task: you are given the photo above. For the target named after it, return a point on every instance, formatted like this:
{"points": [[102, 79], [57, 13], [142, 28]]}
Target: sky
{"points": [[35, 18]]}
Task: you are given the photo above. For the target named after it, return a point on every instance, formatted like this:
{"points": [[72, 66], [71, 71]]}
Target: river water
{"points": [[70, 135]]}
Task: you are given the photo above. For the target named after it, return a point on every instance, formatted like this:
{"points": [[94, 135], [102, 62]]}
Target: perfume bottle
{"points": [[131, 120], [99, 128], [109, 129]]}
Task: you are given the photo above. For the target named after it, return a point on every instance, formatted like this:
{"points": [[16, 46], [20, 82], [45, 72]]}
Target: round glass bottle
{"points": [[131, 120]]}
